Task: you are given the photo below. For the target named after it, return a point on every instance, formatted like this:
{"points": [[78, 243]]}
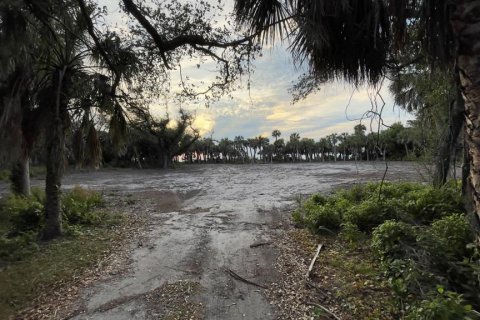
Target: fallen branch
{"points": [[310, 268], [259, 244], [239, 278], [324, 309]]}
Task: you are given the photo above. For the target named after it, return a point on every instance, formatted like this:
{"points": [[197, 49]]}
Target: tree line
{"points": [[394, 143]]}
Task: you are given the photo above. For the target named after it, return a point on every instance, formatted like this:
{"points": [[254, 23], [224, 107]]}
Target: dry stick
{"points": [[259, 244], [314, 259], [324, 309], [237, 277]]}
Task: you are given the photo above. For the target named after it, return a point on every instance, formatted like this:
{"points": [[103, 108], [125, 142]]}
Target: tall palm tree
{"points": [[67, 89]]}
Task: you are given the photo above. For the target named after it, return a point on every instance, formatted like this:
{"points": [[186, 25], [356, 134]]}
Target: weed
{"points": [[78, 205]]}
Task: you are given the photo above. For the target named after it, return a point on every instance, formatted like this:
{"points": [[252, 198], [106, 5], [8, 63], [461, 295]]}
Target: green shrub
{"points": [[443, 306], [317, 217], [428, 204], [38, 194], [23, 214], [403, 277], [392, 239], [393, 190], [450, 237], [369, 214], [351, 233], [355, 194], [78, 205], [318, 199]]}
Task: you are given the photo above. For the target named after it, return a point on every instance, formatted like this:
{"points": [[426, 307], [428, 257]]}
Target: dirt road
{"points": [[201, 223]]}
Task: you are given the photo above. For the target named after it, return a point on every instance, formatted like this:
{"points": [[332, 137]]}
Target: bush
{"points": [[403, 277], [369, 214], [450, 237], [428, 204], [78, 205], [443, 306], [38, 194], [23, 214], [318, 199], [317, 217], [421, 236], [355, 194], [392, 190], [351, 233], [392, 239]]}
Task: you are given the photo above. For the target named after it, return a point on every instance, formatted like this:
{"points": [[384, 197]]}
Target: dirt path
{"points": [[201, 223]]}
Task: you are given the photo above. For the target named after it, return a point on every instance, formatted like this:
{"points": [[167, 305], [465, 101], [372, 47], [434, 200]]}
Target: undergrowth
{"points": [[28, 266], [419, 235]]}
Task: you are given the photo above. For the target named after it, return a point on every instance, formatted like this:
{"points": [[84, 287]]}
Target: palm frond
{"points": [[268, 18]]}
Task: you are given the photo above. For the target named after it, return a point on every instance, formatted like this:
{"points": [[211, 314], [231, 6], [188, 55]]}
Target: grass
{"points": [[345, 279], [54, 263], [30, 269]]}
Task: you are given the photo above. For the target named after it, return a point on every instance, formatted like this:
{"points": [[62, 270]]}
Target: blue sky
{"points": [[268, 105]]}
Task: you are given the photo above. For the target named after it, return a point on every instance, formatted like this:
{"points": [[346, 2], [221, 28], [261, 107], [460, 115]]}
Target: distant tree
{"points": [[294, 144], [276, 134]]}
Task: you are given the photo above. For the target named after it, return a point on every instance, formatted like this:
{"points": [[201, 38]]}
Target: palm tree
{"points": [[262, 143], [276, 134], [332, 140], [20, 119], [354, 39], [63, 93], [239, 144], [279, 149], [294, 141]]}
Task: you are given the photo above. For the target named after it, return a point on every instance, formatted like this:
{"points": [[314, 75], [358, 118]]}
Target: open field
{"points": [[201, 221]]}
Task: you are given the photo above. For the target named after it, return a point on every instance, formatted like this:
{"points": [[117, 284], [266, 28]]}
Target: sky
{"points": [[335, 108]]}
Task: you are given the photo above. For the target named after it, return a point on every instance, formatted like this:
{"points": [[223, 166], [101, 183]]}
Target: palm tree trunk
{"points": [[20, 176], [467, 31], [55, 162], [447, 145]]}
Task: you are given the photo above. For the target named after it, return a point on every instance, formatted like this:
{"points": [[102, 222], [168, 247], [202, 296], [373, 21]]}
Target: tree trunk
{"points": [[20, 176], [55, 162], [467, 33], [448, 143], [55, 142]]}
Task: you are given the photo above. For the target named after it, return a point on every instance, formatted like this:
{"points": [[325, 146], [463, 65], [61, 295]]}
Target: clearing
{"points": [[193, 253]]}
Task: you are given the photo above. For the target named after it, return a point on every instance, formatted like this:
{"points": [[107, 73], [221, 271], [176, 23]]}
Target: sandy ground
{"points": [[201, 222]]}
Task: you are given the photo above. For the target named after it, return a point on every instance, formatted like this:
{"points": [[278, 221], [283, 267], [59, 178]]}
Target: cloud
{"points": [[267, 105], [205, 123]]}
